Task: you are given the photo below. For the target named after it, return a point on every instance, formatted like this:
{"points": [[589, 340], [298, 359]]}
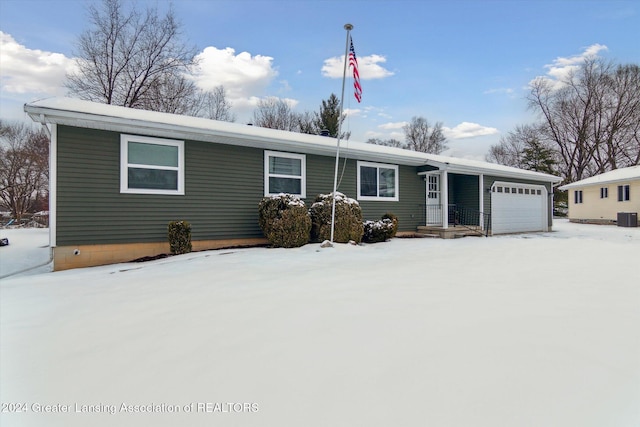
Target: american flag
{"points": [[353, 62]]}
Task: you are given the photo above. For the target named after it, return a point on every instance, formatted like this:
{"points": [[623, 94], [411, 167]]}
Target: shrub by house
{"points": [[348, 219], [284, 220]]}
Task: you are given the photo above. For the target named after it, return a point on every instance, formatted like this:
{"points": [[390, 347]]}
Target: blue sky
{"points": [[464, 63]]}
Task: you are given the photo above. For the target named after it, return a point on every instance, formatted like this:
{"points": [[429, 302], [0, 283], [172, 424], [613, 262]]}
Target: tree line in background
{"points": [[24, 169], [589, 123]]}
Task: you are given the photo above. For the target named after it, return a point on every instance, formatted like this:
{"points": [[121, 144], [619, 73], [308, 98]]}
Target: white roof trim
{"points": [[75, 112], [617, 175]]}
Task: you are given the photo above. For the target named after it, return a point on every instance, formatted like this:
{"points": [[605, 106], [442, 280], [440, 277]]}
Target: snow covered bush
{"points": [[348, 219], [179, 233], [394, 220], [378, 231], [284, 220]]}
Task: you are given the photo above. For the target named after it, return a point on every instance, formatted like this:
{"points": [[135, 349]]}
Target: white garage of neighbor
{"points": [[517, 208]]}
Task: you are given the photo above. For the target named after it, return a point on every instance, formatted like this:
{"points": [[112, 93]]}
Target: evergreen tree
{"points": [[538, 157], [329, 116]]}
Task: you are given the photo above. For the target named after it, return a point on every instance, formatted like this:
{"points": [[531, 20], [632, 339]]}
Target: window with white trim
{"points": [[624, 193], [285, 173], [377, 181], [151, 165], [577, 196]]}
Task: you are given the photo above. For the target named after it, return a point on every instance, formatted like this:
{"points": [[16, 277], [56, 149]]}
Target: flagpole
{"points": [[347, 27]]}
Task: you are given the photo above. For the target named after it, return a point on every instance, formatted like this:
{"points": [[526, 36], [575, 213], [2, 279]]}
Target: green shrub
{"points": [[284, 220], [348, 219], [378, 231], [179, 234]]}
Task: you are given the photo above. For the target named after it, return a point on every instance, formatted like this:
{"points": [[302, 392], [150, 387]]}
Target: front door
{"points": [[434, 207]]}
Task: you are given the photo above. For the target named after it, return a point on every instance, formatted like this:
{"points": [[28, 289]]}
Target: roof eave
{"points": [[120, 124]]}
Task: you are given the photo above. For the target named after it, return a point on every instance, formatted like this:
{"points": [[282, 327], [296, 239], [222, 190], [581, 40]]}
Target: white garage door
{"points": [[517, 208]]}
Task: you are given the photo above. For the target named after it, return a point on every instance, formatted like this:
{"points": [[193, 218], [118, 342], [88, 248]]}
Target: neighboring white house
{"points": [[600, 198]]}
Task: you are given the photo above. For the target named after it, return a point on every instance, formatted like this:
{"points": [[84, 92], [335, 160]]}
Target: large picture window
{"points": [[284, 173], [377, 181], [151, 165]]}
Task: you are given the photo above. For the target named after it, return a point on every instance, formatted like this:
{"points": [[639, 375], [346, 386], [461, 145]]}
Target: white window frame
{"points": [[577, 197], [125, 165], [303, 171], [379, 198]]}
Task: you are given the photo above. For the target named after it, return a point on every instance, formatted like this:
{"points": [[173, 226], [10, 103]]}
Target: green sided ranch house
{"points": [[120, 175]]}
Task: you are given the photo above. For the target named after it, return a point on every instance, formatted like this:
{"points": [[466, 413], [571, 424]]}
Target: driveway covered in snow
{"points": [[522, 330]]}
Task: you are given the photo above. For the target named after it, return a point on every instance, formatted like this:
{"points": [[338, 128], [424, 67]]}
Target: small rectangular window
{"points": [[577, 196], [151, 165], [604, 192], [378, 182], [624, 193], [284, 173]]}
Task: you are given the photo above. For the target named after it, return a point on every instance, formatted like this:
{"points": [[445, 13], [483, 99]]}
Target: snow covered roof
{"points": [[79, 113], [618, 175]]}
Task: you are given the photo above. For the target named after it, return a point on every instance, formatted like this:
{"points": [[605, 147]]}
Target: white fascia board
{"points": [[499, 172], [241, 135], [580, 184]]}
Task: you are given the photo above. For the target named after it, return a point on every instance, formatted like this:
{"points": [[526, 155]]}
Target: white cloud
{"points": [[562, 67], [368, 66], [393, 125], [245, 77], [468, 130], [352, 112], [31, 71], [242, 75], [500, 90]]}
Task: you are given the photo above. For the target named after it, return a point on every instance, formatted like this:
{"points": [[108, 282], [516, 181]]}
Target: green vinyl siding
{"points": [[464, 191], [223, 185], [320, 175]]}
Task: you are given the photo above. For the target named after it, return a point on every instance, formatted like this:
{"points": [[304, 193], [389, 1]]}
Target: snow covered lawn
{"points": [[523, 330]]}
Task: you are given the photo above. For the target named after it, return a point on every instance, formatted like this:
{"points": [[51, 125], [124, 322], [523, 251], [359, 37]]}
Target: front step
{"points": [[453, 232]]}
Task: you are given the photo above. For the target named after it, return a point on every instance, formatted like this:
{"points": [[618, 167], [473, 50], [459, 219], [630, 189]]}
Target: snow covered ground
{"points": [[28, 247], [522, 330]]}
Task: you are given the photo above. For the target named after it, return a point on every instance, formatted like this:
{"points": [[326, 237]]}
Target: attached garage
{"points": [[517, 208]]}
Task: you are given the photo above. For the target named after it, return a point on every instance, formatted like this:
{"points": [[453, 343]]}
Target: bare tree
{"points": [[275, 113], [591, 116], [386, 142], [511, 149], [24, 167], [306, 123], [420, 136], [215, 105], [133, 59]]}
